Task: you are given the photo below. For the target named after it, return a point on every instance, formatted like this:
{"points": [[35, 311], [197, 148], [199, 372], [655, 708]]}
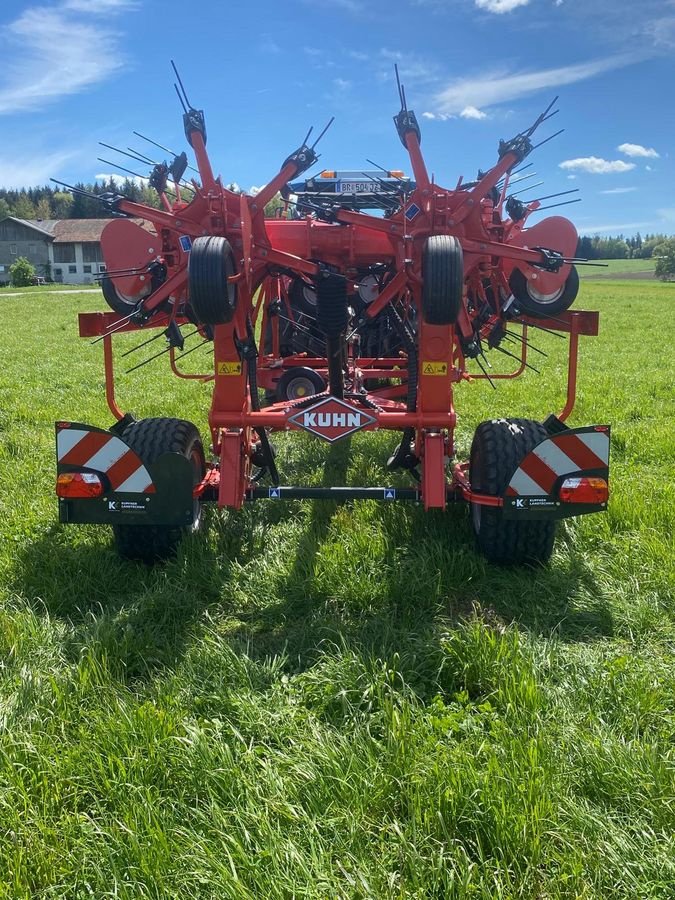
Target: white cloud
{"points": [[470, 112], [500, 6], [342, 83], [611, 229], [501, 86], [49, 54], [120, 178], [638, 150], [594, 165], [625, 190], [99, 7], [19, 169], [438, 116], [571, 177], [649, 169]]}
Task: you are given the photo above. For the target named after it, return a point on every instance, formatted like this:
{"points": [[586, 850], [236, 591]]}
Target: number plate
{"points": [[358, 187]]}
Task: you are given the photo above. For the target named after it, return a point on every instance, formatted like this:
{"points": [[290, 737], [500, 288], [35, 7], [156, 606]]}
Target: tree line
{"points": [[51, 203], [620, 247]]}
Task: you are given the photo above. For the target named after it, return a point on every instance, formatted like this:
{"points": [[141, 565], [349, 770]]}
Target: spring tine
{"points": [[75, 190], [115, 327], [145, 343], [549, 138], [161, 147], [134, 156], [400, 89], [182, 102], [180, 82], [148, 360], [518, 359], [519, 337], [485, 372], [192, 349], [554, 205], [304, 143], [550, 196], [330, 122]]}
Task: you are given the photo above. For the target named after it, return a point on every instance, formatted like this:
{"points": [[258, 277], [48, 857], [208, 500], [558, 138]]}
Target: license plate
{"points": [[358, 187]]}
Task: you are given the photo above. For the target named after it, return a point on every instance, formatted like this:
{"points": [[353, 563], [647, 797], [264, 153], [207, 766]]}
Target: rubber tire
{"points": [[498, 448], [292, 375], [150, 438], [212, 297], [537, 308], [116, 301], [443, 279], [299, 301]]}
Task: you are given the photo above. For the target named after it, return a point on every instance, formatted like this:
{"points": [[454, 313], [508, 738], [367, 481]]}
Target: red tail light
{"points": [[80, 485], [584, 490]]}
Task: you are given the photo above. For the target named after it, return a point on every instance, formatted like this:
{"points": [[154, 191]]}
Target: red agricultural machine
{"points": [[332, 320]]}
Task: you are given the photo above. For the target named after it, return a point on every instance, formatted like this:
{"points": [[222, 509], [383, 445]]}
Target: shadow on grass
{"points": [[427, 578]]}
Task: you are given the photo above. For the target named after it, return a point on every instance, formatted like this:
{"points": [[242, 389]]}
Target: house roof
{"points": [[76, 230], [67, 231], [45, 226]]}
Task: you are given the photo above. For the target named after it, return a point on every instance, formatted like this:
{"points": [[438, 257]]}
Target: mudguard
{"points": [[533, 491], [134, 493]]}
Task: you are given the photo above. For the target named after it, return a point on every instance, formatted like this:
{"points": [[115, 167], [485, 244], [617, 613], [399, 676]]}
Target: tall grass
{"points": [[339, 701]]}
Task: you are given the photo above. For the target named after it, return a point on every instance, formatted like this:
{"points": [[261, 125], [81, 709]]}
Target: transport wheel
{"points": [[303, 297], [443, 279], [118, 301], [150, 438], [298, 383], [498, 447], [212, 297], [531, 302]]}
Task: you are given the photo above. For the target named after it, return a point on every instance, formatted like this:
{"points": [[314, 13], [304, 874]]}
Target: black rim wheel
{"points": [[498, 448], [212, 297], [119, 302], [296, 384], [541, 306], [303, 297], [443, 279], [150, 438]]}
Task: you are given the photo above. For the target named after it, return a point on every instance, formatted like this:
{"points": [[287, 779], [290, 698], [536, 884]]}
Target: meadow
{"points": [[317, 700], [622, 267]]}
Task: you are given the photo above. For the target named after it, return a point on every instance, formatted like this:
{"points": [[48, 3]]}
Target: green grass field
{"points": [[319, 701], [617, 267]]}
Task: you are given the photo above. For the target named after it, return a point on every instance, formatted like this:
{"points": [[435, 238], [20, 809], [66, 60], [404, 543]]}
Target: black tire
{"points": [[498, 447], [443, 279], [299, 383], [150, 438], [302, 296], [119, 302], [212, 297], [541, 306]]}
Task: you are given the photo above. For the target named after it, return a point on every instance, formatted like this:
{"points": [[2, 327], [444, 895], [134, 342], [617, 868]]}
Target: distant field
{"points": [[339, 701], [622, 268]]}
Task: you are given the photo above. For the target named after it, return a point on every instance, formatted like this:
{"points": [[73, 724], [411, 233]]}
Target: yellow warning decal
{"points": [[434, 368], [228, 368]]}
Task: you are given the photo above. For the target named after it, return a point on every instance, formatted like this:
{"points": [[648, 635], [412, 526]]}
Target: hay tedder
{"points": [[331, 319]]}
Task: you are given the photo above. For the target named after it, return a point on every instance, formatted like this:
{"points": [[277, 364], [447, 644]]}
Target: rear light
{"points": [[584, 490], [327, 174], [79, 485], [396, 173]]}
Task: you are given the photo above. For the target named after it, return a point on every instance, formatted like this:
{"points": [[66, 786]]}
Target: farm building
{"points": [[68, 250]]}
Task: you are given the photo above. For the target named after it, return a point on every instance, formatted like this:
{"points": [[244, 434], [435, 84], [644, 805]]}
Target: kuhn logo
{"points": [[332, 419]]}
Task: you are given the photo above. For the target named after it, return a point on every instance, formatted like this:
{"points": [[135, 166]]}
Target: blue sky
{"points": [[76, 72]]}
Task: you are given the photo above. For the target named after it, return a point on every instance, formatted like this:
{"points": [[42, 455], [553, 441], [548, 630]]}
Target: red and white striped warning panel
{"points": [[562, 454], [103, 452]]}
